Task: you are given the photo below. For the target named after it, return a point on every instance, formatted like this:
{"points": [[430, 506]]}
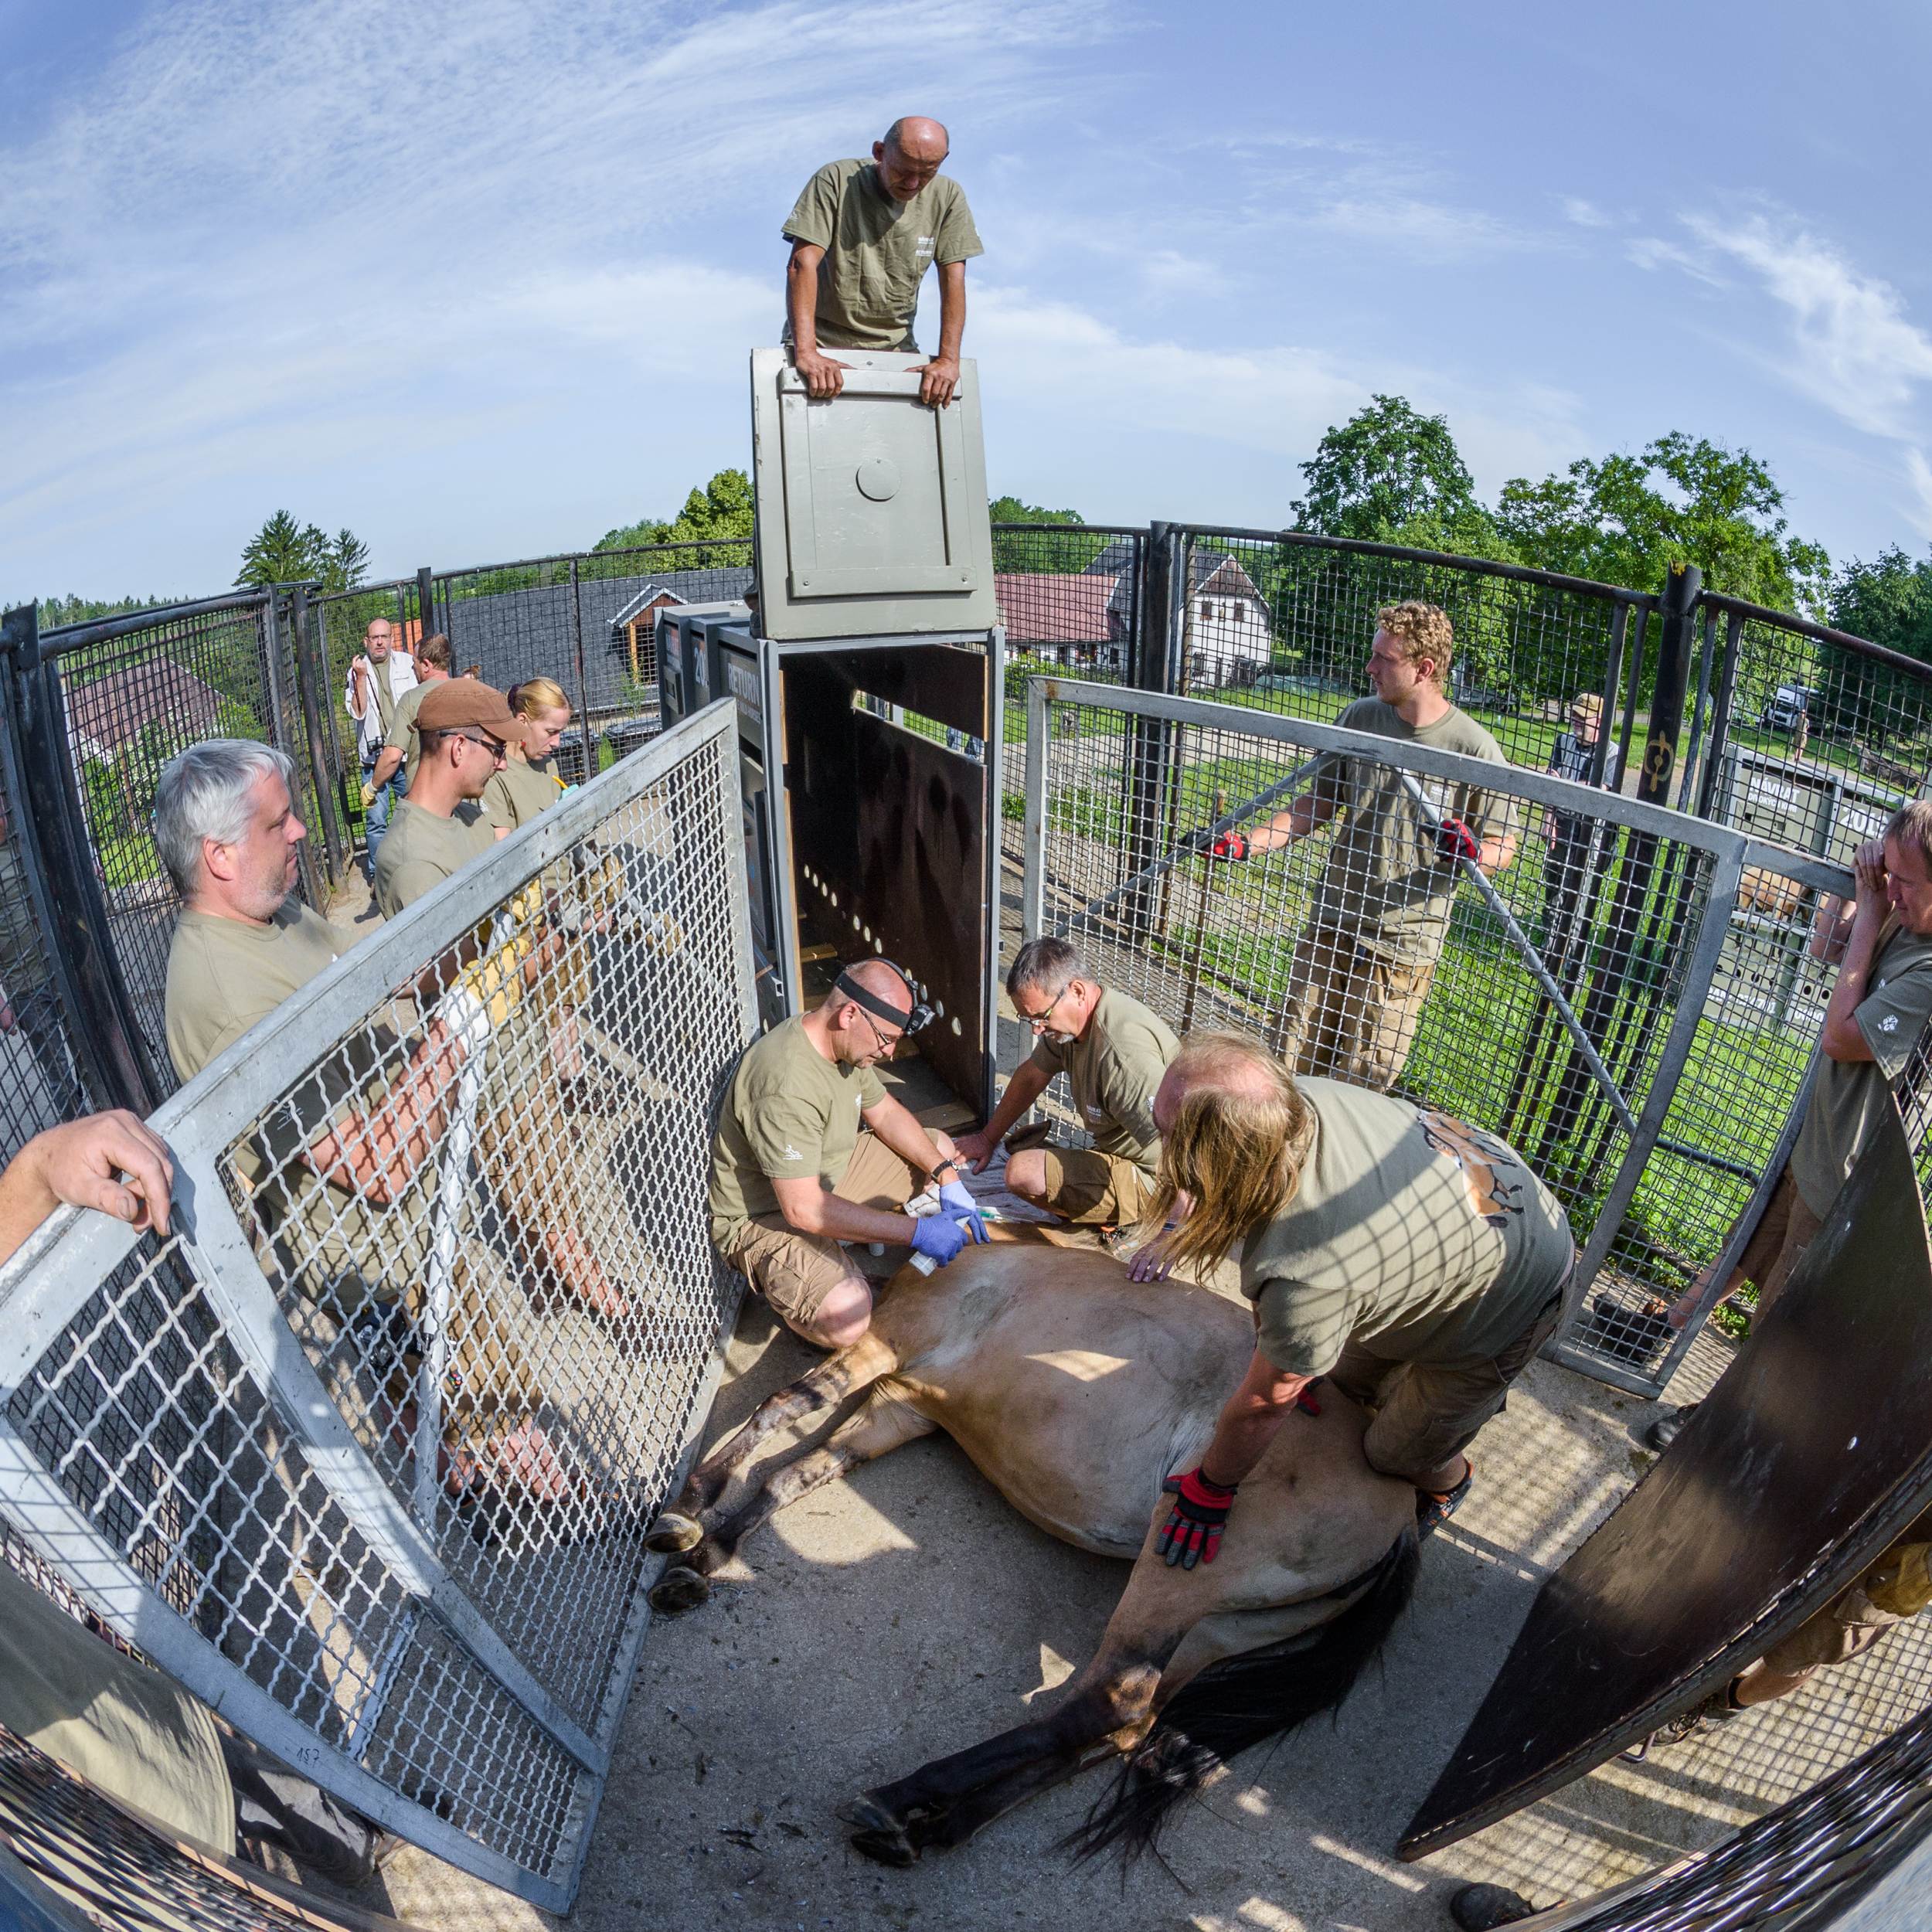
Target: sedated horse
{"points": [[1077, 1391]]}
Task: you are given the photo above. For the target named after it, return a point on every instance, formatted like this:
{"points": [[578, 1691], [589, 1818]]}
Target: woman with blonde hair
{"points": [[529, 782], [1414, 1261]]}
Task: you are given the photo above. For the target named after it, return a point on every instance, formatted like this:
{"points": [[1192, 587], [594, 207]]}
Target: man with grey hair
{"points": [[1114, 1052], [862, 234], [343, 1172]]}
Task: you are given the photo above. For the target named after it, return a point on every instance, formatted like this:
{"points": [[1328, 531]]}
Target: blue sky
{"points": [[478, 279]]}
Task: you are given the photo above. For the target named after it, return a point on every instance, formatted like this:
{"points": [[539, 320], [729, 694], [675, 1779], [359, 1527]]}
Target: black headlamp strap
{"points": [[909, 1021]]}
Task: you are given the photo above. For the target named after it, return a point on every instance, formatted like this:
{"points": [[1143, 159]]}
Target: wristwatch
{"points": [[948, 1162]]}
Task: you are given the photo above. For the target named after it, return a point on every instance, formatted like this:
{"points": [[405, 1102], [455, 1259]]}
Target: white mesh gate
{"points": [[1631, 997], [365, 1452]]}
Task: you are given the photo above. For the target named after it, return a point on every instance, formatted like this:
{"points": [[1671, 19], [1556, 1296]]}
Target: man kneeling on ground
{"points": [[1113, 1051], [341, 1176], [793, 1174], [1413, 1260]]}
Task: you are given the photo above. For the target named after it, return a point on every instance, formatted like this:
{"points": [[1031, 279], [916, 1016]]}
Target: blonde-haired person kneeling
{"points": [[1414, 1261]]}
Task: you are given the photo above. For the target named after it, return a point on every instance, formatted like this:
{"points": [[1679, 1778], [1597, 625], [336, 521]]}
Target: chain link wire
{"points": [[1534, 994], [481, 1234]]}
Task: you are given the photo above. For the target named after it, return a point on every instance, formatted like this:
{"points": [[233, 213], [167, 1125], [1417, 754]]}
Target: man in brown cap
{"points": [[441, 825], [463, 726]]}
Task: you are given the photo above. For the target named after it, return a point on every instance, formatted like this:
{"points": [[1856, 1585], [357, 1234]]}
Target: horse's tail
{"points": [[1239, 1702]]}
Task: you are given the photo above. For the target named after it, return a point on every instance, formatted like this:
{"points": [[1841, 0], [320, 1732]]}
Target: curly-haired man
{"points": [[1362, 968]]}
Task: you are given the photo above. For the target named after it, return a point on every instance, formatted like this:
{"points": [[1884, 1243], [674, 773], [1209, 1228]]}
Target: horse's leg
{"points": [[1109, 1704], [882, 1425], [686, 1522]]}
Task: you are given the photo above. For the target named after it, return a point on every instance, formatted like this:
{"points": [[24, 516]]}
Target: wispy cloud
{"points": [[1585, 214]]}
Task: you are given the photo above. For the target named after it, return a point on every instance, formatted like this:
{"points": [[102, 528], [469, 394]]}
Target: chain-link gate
{"points": [[1602, 989], [364, 1452]]}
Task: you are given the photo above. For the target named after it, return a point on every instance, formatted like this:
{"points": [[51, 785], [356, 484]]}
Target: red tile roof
{"points": [[1050, 608]]}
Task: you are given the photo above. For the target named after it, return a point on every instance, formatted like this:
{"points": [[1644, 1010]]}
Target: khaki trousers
{"points": [[1351, 1014]]}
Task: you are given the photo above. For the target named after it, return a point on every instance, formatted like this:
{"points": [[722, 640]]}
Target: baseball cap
{"points": [[454, 703]]}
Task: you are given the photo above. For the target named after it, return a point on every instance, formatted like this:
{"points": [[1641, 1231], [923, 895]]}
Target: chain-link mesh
{"points": [[460, 1184], [41, 1082], [1805, 1865], [1817, 737], [1284, 623], [1576, 972], [132, 698], [123, 1874]]}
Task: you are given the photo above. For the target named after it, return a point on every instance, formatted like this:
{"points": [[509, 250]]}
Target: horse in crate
{"points": [[1076, 1392]]}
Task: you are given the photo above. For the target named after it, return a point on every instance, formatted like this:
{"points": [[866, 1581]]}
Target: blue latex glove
{"points": [[938, 1237], [957, 1202]]}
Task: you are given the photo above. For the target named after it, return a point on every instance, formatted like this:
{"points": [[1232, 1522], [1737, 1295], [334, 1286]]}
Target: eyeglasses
{"points": [[886, 1045], [493, 746], [1038, 1021]]}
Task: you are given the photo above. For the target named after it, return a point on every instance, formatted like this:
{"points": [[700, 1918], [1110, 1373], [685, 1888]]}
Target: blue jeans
{"points": [[376, 820]]}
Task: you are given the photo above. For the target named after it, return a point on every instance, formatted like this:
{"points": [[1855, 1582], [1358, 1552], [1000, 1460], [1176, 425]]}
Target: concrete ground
{"points": [[906, 1612]]}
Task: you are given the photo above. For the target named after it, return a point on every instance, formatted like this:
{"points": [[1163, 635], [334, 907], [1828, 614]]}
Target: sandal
{"points": [[1434, 1507]]}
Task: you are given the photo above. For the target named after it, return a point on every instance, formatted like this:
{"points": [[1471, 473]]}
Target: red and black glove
{"points": [[1229, 845], [1455, 840], [1192, 1534]]}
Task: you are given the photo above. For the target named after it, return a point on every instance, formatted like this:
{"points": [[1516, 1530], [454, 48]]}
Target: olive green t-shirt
{"points": [[788, 1112], [385, 691], [224, 977], [877, 249], [1411, 1234], [1113, 1069], [135, 1733], [402, 735], [1846, 1095], [421, 849], [518, 793], [1384, 882]]}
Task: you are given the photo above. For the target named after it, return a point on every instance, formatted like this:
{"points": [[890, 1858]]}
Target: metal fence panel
{"points": [[1283, 621], [370, 1467], [1620, 1001]]}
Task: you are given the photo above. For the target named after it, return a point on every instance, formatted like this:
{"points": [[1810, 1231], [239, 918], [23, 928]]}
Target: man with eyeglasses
{"points": [[1114, 1052], [811, 1151], [1574, 844], [463, 726]]}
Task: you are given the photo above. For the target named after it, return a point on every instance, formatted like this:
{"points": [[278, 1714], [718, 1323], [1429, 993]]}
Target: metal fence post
{"points": [[1678, 610], [312, 686], [1150, 740], [65, 877], [583, 687], [425, 602]]}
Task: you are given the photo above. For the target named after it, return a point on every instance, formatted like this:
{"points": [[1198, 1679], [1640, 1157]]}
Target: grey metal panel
{"points": [[873, 507], [170, 1443]]}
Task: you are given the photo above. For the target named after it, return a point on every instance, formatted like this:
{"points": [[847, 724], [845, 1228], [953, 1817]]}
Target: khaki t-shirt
{"points": [[789, 1112], [876, 251], [225, 976], [518, 792], [385, 691], [1846, 1096], [401, 734], [135, 1733], [1383, 881], [1412, 1234], [1113, 1069], [420, 850]]}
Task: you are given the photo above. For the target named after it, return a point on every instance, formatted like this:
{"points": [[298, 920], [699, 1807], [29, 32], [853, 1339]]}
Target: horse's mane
{"points": [[1239, 1702]]}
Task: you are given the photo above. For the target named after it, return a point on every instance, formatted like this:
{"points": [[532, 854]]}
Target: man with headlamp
{"points": [[811, 1151]]}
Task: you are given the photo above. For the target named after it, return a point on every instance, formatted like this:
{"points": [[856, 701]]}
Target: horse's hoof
{"points": [[673, 1533], [879, 1835], [678, 1590]]}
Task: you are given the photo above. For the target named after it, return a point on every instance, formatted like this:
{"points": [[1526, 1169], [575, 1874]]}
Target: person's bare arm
{"points": [[377, 1154], [898, 1127], [823, 377], [1309, 813], [111, 1162], [1253, 1412], [812, 1208], [1027, 1084], [356, 699], [389, 761], [1831, 926], [1498, 850], [940, 377], [1841, 1038]]}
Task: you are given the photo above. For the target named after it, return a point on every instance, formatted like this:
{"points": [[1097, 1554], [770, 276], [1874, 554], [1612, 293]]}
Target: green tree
{"points": [[55, 611], [721, 509], [1381, 470], [1627, 519], [283, 551], [1020, 552], [1887, 601]]}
